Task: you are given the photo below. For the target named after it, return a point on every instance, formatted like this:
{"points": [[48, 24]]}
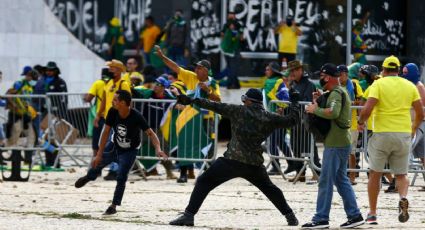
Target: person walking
{"points": [[390, 98], [251, 124], [335, 155]]}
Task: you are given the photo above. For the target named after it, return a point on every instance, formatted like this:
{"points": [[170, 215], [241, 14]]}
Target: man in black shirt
{"points": [[127, 124]]}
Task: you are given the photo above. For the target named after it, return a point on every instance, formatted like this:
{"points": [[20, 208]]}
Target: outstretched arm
{"points": [[168, 62]]}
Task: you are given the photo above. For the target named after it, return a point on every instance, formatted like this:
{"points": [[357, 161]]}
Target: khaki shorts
{"points": [[392, 148]]}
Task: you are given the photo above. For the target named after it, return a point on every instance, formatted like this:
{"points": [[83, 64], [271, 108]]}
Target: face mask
{"points": [[32, 82], [289, 22], [322, 82]]}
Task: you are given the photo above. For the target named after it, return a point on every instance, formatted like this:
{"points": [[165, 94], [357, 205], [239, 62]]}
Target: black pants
{"points": [[223, 170]]}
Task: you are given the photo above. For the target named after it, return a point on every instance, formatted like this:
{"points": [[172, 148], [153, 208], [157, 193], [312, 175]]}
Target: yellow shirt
{"points": [[96, 90], [359, 95], [191, 81], [127, 76], [395, 97], [288, 40], [149, 36], [110, 88]]}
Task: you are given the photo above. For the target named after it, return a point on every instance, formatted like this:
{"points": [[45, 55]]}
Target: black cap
{"points": [[342, 68], [204, 63], [51, 65], [254, 95], [275, 67], [330, 69]]}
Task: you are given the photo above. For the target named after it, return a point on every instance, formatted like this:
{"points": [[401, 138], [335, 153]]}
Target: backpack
{"points": [[319, 126]]}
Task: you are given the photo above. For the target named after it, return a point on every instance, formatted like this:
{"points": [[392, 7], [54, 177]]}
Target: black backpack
{"points": [[319, 126]]}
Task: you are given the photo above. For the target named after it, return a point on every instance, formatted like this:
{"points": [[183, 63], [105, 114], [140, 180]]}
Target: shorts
{"points": [[392, 148], [418, 147], [97, 131]]}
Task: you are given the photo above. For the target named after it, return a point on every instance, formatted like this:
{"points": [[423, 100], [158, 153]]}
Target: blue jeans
{"points": [[334, 171], [125, 161]]}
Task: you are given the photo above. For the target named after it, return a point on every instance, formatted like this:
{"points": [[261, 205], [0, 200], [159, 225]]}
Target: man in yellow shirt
{"points": [[116, 83], [391, 99], [288, 39], [198, 83], [132, 74], [96, 91], [148, 37]]}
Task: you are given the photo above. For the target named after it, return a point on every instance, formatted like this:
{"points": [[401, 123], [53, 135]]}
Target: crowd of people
{"points": [[387, 96]]}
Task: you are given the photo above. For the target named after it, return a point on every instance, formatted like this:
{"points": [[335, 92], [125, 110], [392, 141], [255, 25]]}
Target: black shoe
{"points": [[182, 179], [111, 176], [403, 206], [110, 211], [81, 182], [354, 222], [291, 219], [183, 220], [316, 225]]}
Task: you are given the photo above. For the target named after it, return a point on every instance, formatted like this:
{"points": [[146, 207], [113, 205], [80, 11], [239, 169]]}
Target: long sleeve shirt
{"points": [[250, 126]]}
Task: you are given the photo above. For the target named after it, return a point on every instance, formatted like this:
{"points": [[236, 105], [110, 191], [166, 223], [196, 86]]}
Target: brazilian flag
{"points": [[192, 138]]}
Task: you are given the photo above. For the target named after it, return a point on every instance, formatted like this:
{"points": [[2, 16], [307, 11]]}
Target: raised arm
{"points": [[168, 62]]}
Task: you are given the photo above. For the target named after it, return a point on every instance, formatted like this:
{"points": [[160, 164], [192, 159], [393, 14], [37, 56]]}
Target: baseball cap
{"points": [[253, 95], [391, 62], [330, 69], [163, 81], [342, 68], [25, 70], [204, 63]]}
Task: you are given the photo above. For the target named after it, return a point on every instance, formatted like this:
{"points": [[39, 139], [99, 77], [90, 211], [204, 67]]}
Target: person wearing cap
{"points": [[391, 99], [132, 76], [277, 140], [300, 138], [20, 116], [231, 35], [114, 40], [116, 83], [154, 111], [288, 39], [355, 92], [198, 83], [336, 152], [96, 91], [251, 124], [367, 75]]}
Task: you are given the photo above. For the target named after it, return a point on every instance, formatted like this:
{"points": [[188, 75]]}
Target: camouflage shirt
{"points": [[250, 126]]}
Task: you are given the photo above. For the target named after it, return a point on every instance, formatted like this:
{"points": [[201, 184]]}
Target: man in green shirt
{"points": [[335, 156]]}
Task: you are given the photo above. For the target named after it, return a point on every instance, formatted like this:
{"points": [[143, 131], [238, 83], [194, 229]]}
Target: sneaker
{"points": [[353, 222], [81, 182], [316, 225], [182, 179], [110, 211], [403, 215], [111, 176], [391, 189], [183, 220], [371, 219], [291, 219]]}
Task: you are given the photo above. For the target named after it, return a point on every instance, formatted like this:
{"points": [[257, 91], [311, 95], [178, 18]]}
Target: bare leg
{"points": [[373, 188]]}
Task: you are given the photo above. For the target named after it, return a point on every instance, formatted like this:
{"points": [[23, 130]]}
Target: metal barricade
{"points": [[294, 144], [21, 120], [70, 127], [187, 134], [415, 166]]}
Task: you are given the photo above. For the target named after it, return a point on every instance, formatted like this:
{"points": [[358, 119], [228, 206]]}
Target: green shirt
{"points": [[337, 137]]}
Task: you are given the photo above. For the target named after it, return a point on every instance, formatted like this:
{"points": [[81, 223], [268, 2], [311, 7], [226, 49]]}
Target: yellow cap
{"points": [[117, 64], [391, 62], [115, 21]]}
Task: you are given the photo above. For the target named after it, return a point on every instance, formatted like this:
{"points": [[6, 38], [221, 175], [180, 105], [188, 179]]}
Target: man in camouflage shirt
{"points": [[251, 124]]}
